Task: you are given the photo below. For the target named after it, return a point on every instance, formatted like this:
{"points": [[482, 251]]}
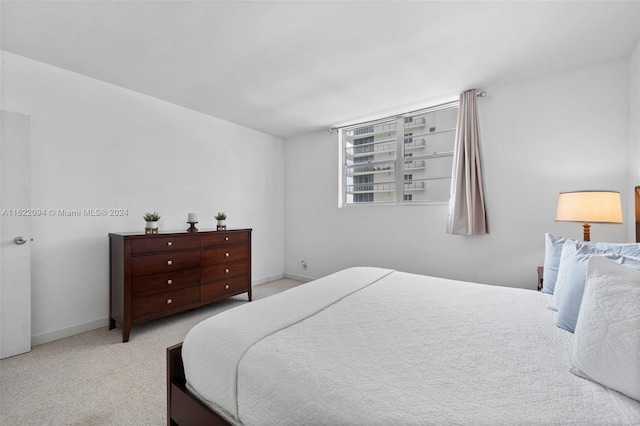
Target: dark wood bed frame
{"points": [[637, 197], [184, 408]]}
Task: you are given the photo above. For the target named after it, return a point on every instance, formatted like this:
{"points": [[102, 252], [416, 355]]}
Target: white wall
{"points": [[560, 133], [96, 145], [634, 134]]}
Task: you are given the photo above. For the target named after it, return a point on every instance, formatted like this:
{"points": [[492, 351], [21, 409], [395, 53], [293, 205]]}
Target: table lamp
{"points": [[589, 207]]}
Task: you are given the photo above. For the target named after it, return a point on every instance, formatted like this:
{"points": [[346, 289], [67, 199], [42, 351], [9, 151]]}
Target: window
{"points": [[406, 159]]}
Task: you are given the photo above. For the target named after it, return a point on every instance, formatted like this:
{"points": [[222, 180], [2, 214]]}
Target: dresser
{"points": [[155, 275]]}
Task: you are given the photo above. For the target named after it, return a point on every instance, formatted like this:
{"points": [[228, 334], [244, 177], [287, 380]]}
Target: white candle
{"points": [[193, 217]]}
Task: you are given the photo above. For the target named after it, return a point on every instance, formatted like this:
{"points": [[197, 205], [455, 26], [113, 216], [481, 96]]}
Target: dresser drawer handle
{"points": [[169, 262], [226, 271], [169, 282], [169, 301], [226, 287], [226, 254], [169, 243], [226, 238]]}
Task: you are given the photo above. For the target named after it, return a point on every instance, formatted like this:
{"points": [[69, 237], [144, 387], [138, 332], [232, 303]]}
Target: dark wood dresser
{"points": [[155, 275]]}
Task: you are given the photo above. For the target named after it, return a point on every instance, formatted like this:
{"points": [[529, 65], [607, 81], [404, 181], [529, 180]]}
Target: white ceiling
{"points": [[289, 68]]}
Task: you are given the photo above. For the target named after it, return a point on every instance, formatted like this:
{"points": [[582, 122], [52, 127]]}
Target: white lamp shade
{"points": [[589, 207]]}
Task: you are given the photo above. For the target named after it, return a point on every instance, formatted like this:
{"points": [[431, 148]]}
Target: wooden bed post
{"points": [[637, 197], [175, 374]]}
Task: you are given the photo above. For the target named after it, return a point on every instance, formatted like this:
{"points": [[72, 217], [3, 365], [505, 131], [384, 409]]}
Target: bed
{"points": [[377, 346]]}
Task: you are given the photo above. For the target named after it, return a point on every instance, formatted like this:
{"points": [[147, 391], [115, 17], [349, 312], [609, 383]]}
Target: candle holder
{"points": [[192, 228]]}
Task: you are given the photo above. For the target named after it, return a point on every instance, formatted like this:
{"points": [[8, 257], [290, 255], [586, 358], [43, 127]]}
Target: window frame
{"points": [[400, 158]]}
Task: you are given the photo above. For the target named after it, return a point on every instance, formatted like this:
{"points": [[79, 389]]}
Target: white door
{"points": [[15, 235]]}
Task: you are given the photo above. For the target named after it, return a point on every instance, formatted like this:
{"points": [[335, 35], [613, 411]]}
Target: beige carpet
{"points": [[95, 379]]}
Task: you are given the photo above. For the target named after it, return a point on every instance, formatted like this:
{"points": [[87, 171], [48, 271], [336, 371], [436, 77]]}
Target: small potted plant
{"points": [[152, 222], [220, 217]]}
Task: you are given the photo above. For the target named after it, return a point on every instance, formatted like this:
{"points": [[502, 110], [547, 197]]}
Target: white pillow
{"points": [[606, 343]]}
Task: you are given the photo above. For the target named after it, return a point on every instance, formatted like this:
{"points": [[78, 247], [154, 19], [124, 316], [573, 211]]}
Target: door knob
{"points": [[19, 240]]}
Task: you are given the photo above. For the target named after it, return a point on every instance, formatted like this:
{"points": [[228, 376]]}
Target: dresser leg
{"points": [[126, 329], [112, 323], [249, 293]]}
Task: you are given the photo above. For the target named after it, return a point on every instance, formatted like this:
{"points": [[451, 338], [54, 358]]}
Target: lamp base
{"points": [[586, 228]]}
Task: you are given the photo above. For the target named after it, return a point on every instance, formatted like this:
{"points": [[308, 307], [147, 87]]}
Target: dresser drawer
{"points": [[162, 302], [222, 238], [224, 254], [228, 286], [223, 271], [164, 262], [154, 244], [165, 282]]}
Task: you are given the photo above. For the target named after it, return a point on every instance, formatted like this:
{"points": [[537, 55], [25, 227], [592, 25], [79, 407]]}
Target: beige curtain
{"points": [[467, 214]]}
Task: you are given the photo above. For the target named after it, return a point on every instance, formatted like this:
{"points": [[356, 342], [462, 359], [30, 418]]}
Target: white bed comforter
{"points": [[212, 350], [384, 347]]}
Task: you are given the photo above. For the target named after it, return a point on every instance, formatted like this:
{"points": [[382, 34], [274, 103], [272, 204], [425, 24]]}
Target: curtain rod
{"points": [[480, 94]]}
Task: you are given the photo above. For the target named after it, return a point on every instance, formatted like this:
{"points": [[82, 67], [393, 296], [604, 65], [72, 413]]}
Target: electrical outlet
{"points": [[304, 264]]}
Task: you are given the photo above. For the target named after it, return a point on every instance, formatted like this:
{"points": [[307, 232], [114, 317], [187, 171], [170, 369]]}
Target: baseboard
{"points": [[302, 278], [72, 330], [267, 279]]}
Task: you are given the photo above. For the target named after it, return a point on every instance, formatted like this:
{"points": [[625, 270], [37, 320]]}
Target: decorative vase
{"points": [[151, 228], [221, 226]]}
